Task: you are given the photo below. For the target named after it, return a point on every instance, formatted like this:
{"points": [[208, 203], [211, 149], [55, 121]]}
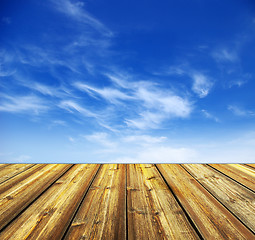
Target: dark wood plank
{"points": [[153, 212], [238, 199], [211, 218], [49, 216], [102, 214]]}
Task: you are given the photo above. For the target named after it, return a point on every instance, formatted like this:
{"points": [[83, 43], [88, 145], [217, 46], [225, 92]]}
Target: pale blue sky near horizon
{"points": [[127, 81]]}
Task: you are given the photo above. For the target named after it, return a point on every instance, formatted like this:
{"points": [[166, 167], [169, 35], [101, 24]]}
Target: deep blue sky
{"points": [[127, 81]]}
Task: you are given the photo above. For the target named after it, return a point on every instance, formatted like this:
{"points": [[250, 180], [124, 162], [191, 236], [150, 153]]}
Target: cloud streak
{"points": [[23, 104], [75, 10], [240, 112]]}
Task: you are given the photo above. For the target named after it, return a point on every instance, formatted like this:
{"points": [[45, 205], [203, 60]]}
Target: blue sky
{"points": [[127, 81]]}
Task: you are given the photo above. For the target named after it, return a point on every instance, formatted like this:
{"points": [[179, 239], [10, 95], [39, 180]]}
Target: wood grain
{"points": [[102, 214], [10, 170], [210, 217], [240, 173], [16, 198], [9, 183], [153, 212], [238, 199], [49, 216]]}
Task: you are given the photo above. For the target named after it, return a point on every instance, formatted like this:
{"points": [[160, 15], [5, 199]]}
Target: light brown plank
{"points": [[16, 198], [211, 218], [49, 216], [238, 199], [251, 165], [102, 214], [12, 170], [3, 165], [241, 173], [6, 185], [153, 212]]}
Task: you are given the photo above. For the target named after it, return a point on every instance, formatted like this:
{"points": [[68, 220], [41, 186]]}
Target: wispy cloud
{"points": [[143, 139], [201, 85], [225, 55], [101, 138], [209, 115], [72, 106], [7, 67], [240, 112], [110, 94], [76, 10], [23, 104]]}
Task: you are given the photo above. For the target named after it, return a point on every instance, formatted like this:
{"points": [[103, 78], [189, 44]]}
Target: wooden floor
{"points": [[134, 201]]}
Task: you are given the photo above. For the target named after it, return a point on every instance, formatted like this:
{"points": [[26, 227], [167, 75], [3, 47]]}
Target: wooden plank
{"points": [[153, 212], [251, 165], [12, 170], [15, 199], [238, 199], [20, 177], [3, 165], [241, 173], [49, 216], [102, 215], [211, 218]]}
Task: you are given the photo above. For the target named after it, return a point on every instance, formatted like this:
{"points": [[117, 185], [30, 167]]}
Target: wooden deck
{"points": [[127, 201]]}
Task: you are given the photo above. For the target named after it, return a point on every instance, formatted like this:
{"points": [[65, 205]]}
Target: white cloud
{"points": [[70, 105], [110, 94], [75, 10], [167, 102], [147, 120], [201, 85], [209, 115], [225, 55], [23, 104], [143, 139], [240, 112], [238, 83], [148, 104], [101, 138]]}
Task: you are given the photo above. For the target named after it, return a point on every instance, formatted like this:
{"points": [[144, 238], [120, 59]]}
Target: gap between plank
{"points": [[35, 199], [185, 212], [218, 200], [230, 177], [85, 194]]}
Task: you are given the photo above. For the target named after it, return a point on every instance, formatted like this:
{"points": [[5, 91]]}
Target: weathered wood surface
{"points": [[18, 178], [49, 216], [10, 170], [238, 199], [133, 201], [211, 218], [103, 214], [153, 212], [16, 198], [240, 173]]}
